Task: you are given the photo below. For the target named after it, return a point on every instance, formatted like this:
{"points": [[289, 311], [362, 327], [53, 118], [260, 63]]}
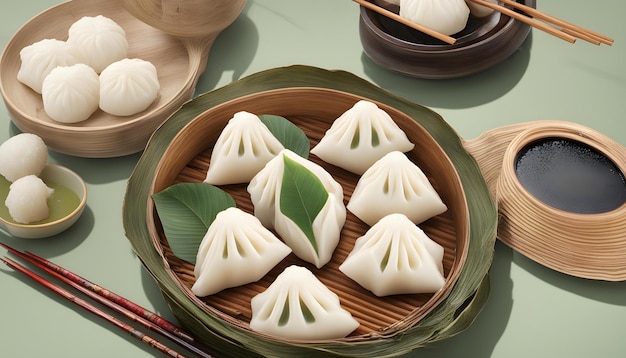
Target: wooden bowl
{"points": [[179, 63], [483, 43], [187, 158], [570, 218]]}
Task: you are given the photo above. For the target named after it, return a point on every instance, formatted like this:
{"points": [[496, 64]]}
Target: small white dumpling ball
{"points": [[39, 58], [71, 94], [27, 200], [21, 155], [98, 40], [128, 87]]}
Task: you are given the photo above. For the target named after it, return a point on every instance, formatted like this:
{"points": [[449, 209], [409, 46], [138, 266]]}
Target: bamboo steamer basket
{"points": [[312, 98], [587, 245]]}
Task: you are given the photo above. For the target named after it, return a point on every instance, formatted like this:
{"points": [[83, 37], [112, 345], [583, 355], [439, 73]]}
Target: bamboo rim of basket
{"points": [[584, 245], [188, 154]]}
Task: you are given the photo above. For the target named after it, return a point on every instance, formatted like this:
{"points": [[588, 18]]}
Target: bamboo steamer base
{"points": [[313, 110], [590, 246]]}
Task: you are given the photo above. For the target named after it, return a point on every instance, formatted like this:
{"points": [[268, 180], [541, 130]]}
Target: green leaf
{"points": [[302, 197], [186, 211], [288, 134]]}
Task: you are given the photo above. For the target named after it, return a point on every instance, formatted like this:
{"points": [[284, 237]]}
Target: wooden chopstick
{"points": [[568, 27], [112, 296], [527, 20], [445, 38], [93, 291], [89, 307]]}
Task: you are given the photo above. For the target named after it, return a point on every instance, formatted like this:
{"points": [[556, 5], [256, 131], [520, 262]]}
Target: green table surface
{"points": [[532, 311]]}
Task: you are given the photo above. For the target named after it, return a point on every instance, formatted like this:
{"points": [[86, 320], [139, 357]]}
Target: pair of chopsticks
{"points": [[111, 300], [562, 29]]}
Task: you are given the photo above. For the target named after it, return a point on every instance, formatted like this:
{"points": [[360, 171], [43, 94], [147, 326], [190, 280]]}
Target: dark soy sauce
{"points": [[570, 176]]}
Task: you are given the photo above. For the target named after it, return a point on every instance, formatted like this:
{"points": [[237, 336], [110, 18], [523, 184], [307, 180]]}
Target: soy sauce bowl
{"points": [[66, 205], [483, 43]]}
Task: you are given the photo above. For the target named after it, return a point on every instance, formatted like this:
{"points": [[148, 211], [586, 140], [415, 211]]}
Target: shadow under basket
{"points": [[187, 159]]}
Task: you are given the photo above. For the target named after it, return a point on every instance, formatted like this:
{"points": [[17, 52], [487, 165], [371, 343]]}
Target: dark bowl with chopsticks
{"points": [[483, 43]]}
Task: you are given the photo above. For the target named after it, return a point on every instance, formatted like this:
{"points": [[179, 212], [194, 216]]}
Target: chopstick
{"points": [[568, 27], [89, 307], [112, 296], [445, 38], [527, 20], [568, 32], [114, 301]]}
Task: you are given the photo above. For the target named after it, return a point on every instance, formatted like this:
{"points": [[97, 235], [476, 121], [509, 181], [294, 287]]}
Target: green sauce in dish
{"points": [[62, 202]]}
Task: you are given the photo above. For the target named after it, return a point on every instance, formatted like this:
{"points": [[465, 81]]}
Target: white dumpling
{"points": [[265, 192], [27, 200], [71, 94], [236, 250], [359, 137], [480, 10], [128, 87], [297, 305], [395, 257], [242, 149], [38, 59], [444, 16], [21, 155], [98, 40], [394, 184]]}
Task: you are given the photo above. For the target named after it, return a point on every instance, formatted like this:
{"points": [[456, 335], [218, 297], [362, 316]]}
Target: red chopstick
{"points": [[92, 293], [87, 306], [151, 316]]}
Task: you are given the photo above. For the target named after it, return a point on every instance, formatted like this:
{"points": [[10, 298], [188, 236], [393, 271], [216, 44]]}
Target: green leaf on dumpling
{"points": [[302, 197], [186, 211], [288, 134]]}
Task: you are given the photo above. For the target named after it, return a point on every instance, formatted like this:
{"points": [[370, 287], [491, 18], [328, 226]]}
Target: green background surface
{"points": [[532, 311]]}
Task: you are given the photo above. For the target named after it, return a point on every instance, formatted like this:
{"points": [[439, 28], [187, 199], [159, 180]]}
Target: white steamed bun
{"points": [[71, 94], [128, 87]]}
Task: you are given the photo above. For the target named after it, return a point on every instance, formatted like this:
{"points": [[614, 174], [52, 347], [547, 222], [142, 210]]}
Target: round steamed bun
{"points": [[71, 94], [98, 40], [21, 155], [27, 200], [39, 58], [128, 87]]}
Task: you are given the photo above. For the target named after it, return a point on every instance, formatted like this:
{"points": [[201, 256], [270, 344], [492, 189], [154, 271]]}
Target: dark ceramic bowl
{"points": [[483, 43]]}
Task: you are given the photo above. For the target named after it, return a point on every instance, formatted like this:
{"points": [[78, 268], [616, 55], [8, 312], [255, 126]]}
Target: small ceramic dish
{"points": [[179, 62], [66, 205], [485, 42]]}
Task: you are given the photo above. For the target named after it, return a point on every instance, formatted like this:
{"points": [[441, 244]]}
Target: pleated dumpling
{"points": [[128, 86], [359, 137], [236, 250], [70, 94], [99, 41], [40, 58], [242, 150], [297, 305], [395, 257], [279, 205], [394, 184]]}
